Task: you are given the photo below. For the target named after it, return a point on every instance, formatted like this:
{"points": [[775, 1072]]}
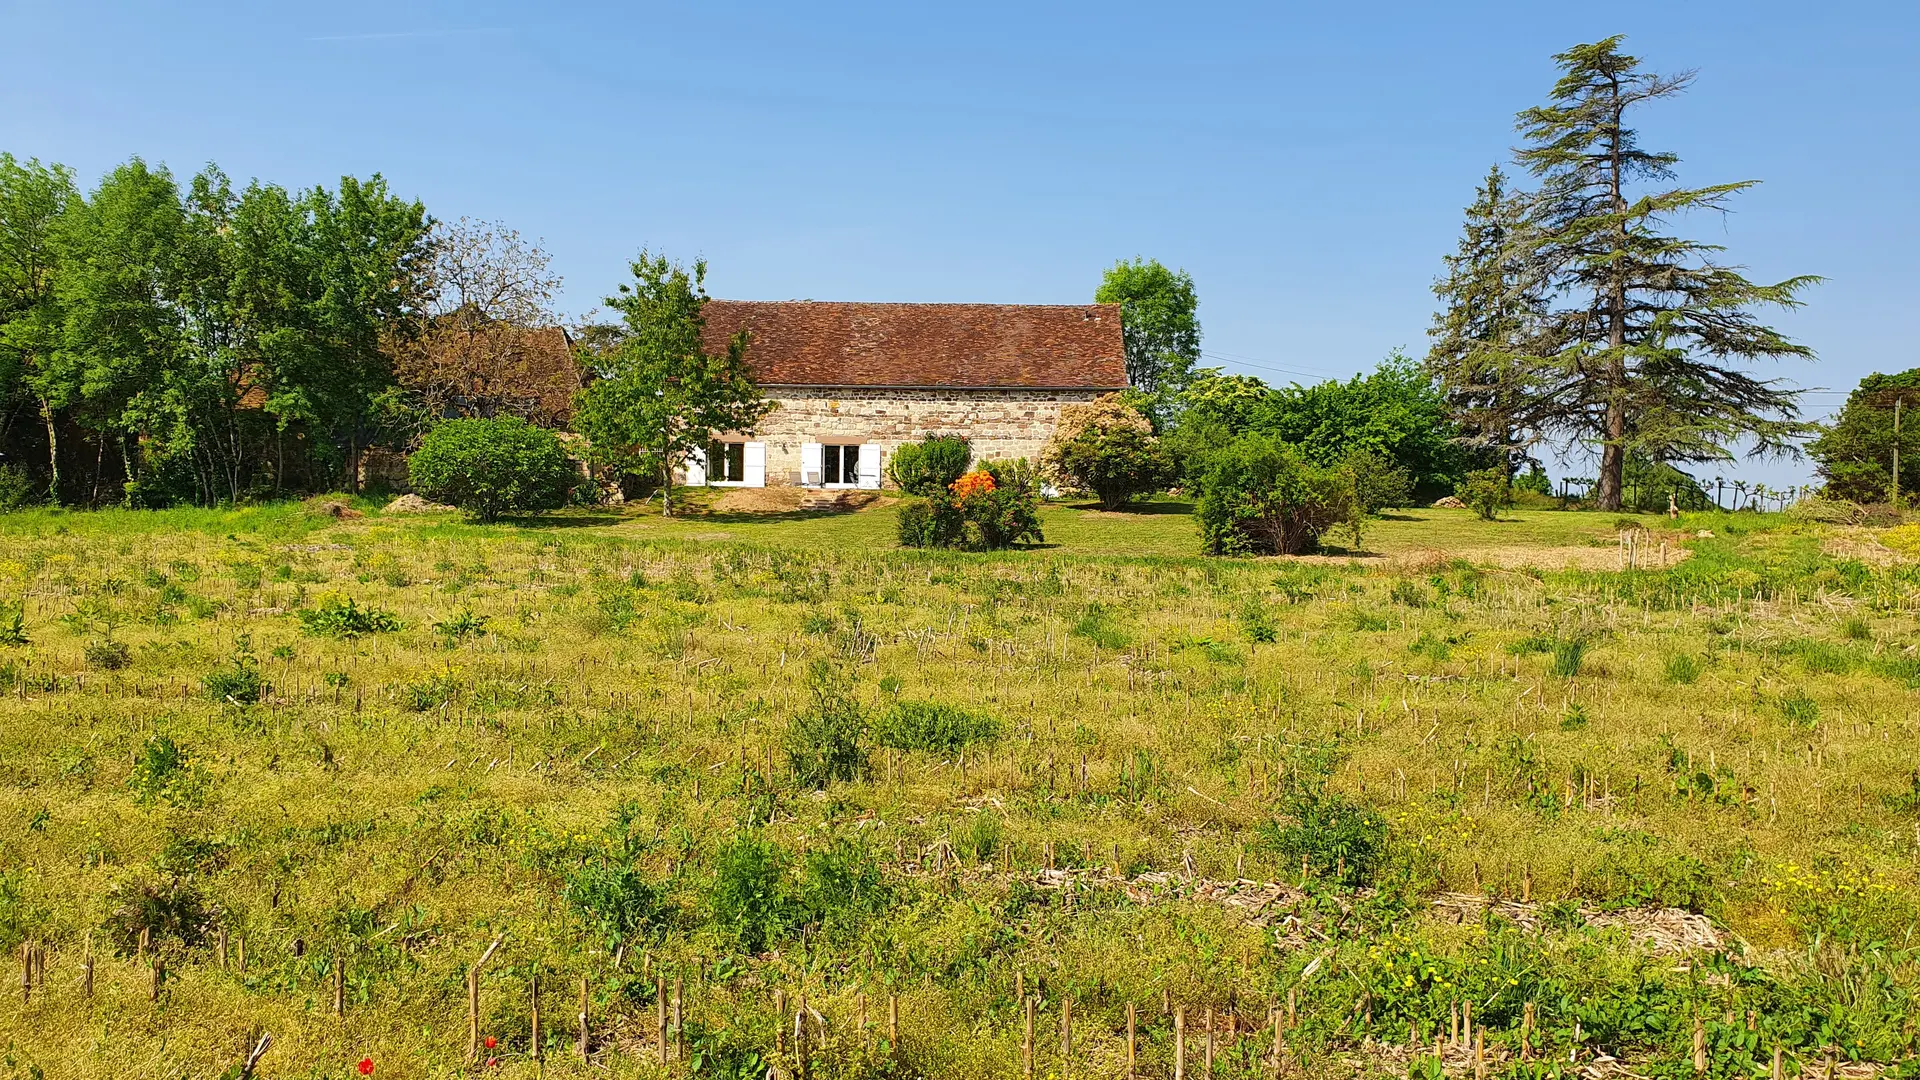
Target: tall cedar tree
{"points": [[1649, 327], [1492, 329], [1159, 321], [656, 391]]}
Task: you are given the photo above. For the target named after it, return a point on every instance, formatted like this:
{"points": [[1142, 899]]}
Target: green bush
{"points": [[929, 467], [1258, 497], [1487, 491], [615, 903], [237, 682], [932, 726], [1108, 448], [1379, 482], [107, 654], [827, 741], [13, 623], [993, 508], [749, 894], [173, 910], [1341, 840], [492, 467], [340, 617]]}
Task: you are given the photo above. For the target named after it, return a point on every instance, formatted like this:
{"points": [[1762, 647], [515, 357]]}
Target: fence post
{"points": [[1130, 1042], [583, 1019], [1026, 1043], [1180, 1043]]}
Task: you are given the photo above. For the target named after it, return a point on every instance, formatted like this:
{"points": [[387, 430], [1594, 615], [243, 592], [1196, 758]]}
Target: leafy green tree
{"points": [[493, 467], [1648, 327], [1855, 450], [657, 394], [34, 198], [1159, 320], [929, 467]]}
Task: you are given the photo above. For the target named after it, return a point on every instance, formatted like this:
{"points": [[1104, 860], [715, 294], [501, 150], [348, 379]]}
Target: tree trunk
{"points": [[666, 486], [53, 452], [1613, 452]]}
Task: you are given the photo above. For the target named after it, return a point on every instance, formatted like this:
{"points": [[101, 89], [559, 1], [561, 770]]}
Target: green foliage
{"points": [[932, 726], [1341, 840], [464, 624], [17, 488], [1158, 319], [749, 894], [1258, 497], [170, 911], [1487, 491], [930, 467], [616, 903], [1395, 413], [339, 616], [1378, 482], [492, 467], [1108, 448], [1682, 669], [1855, 449], [106, 654], [237, 682], [977, 517], [1568, 653], [827, 740], [13, 624], [656, 395], [165, 771]]}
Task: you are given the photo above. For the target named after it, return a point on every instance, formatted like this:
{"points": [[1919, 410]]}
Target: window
{"points": [[840, 463], [726, 463]]}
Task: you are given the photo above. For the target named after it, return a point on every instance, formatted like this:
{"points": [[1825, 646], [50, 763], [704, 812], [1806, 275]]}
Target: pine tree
{"points": [[1492, 330], [1647, 330]]}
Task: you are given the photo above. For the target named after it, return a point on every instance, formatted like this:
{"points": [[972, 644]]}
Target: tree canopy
{"points": [[1855, 450], [1573, 313], [1159, 312], [656, 395]]}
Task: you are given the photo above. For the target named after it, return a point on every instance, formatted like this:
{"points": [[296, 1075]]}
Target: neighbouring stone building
{"points": [[852, 381]]}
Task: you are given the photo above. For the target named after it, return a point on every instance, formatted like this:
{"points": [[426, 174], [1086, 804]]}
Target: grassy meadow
{"points": [[1478, 769]]}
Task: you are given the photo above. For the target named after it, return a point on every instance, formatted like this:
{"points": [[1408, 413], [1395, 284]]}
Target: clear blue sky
{"points": [[1306, 163]]}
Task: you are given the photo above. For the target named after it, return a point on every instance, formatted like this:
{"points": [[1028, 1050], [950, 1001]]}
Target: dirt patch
{"points": [[780, 500], [414, 504], [1864, 544], [788, 500]]}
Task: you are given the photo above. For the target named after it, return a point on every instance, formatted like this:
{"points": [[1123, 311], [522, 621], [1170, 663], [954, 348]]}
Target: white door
{"points": [[870, 465], [812, 468], [756, 465], [697, 469]]}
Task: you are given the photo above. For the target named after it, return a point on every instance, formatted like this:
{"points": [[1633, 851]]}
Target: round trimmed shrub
{"points": [[493, 467]]}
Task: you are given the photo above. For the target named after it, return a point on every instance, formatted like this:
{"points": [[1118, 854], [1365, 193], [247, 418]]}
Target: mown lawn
{"points": [[775, 757]]}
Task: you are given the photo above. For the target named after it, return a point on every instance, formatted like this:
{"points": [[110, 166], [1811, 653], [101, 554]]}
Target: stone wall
{"points": [[1001, 423]]}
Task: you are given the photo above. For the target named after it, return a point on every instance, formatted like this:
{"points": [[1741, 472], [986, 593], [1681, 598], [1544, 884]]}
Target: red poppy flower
{"points": [[493, 1063], [366, 1066], [490, 1042]]}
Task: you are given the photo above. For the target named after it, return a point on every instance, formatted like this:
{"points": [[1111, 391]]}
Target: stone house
{"points": [[852, 381]]}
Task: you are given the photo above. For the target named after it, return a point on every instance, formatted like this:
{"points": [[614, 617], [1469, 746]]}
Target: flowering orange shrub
{"points": [[978, 482]]}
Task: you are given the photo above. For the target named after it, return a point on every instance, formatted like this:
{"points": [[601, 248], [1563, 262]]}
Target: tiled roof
{"points": [[810, 343]]}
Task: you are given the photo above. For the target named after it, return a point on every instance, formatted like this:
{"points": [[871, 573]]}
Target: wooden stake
{"points": [[1180, 1043], [1279, 1041], [1026, 1044], [240, 955], [533, 1003], [893, 1023], [159, 977], [660, 999], [1779, 1064], [339, 985], [1526, 1033], [473, 995], [583, 1018], [1293, 1001], [1699, 1044], [1209, 1059], [1130, 1042], [1480, 1054], [780, 1029], [26, 973], [1066, 1031], [679, 1019], [221, 948]]}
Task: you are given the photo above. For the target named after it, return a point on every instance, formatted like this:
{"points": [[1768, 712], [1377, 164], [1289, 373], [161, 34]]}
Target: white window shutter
{"points": [[812, 466], [870, 465], [697, 468], [756, 465]]}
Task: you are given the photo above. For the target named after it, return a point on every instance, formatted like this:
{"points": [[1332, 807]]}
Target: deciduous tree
{"points": [[655, 394], [1159, 320]]}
